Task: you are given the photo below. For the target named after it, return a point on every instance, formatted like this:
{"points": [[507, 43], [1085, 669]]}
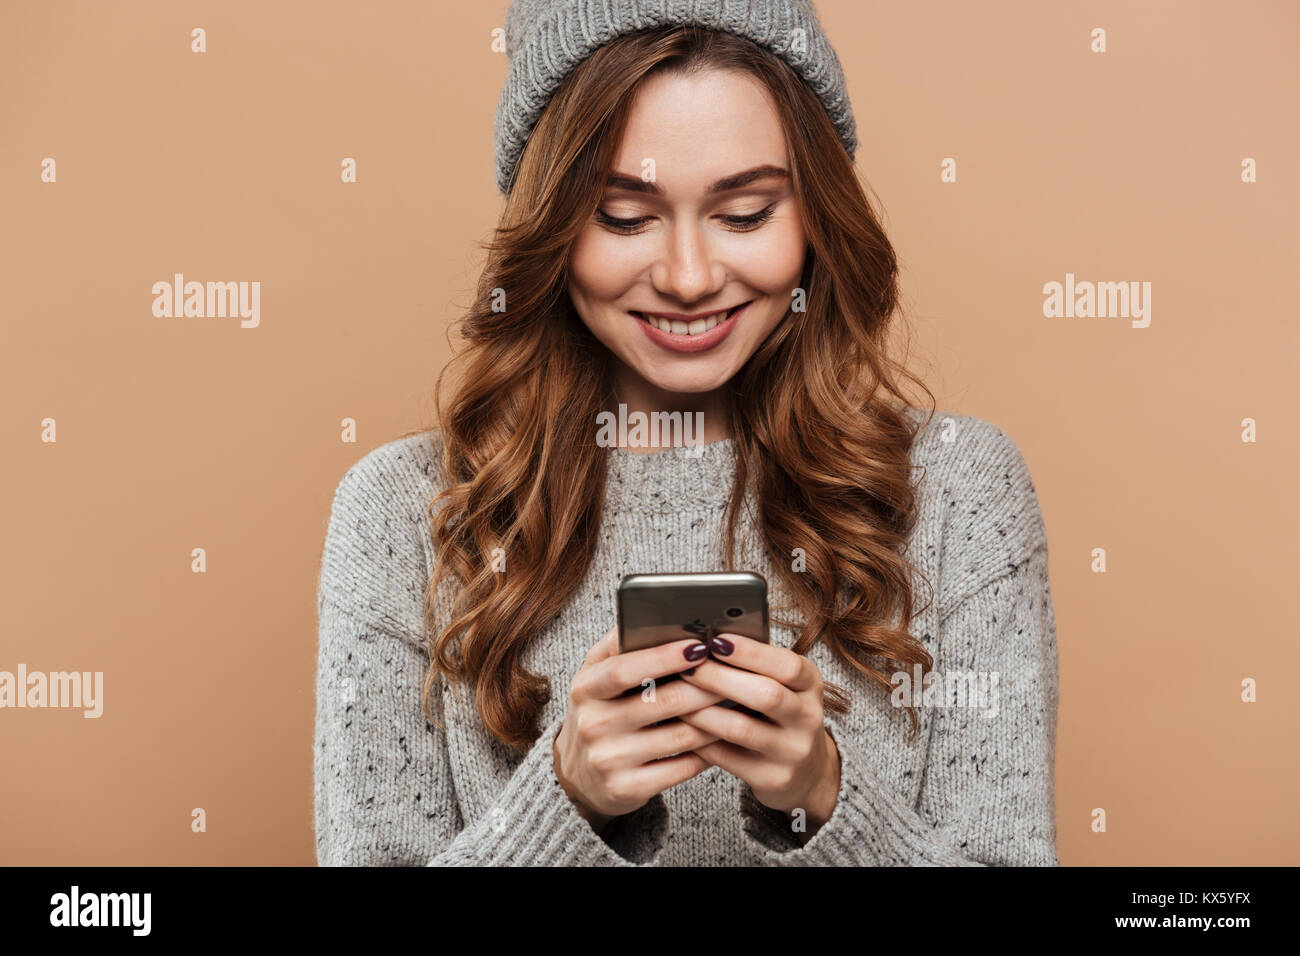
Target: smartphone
{"points": [[656, 609]]}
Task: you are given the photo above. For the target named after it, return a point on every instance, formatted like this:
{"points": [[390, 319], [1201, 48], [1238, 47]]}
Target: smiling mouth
{"points": [[693, 327]]}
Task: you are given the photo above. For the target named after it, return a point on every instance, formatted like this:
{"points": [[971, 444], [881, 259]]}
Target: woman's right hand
{"points": [[609, 758]]}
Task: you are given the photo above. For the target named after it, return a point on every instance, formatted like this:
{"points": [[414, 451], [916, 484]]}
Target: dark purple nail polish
{"points": [[689, 671], [696, 652], [721, 646]]}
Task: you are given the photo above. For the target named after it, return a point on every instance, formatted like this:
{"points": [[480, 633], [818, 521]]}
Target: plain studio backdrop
{"points": [[181, 433]]}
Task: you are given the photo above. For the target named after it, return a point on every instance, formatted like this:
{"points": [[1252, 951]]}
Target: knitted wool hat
{"points": [[547, 39]]}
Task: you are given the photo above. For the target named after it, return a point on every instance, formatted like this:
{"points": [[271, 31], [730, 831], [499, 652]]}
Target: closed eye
{"points": [[736, 223]]}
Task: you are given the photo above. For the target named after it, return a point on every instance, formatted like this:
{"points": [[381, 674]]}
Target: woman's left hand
{"points": [[788, 759]]}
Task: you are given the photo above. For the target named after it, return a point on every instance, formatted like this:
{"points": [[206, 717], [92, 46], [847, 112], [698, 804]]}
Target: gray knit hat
{"points": [[547, 39]]}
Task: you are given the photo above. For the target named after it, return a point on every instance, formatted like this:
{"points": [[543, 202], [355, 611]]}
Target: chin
{"points": [[686, 380]]}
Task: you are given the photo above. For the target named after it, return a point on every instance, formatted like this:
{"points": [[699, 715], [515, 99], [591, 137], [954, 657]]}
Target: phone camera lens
{"points": [[734, 612]]}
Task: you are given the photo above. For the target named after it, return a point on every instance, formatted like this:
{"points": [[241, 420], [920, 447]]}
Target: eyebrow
{"points": [[725, 184]]}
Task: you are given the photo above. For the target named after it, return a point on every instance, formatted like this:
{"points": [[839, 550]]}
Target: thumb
{"points": [[604, 648]]}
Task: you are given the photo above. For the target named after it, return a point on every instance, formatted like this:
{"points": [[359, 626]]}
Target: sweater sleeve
{"points": [[987, 794], [384, 789]]}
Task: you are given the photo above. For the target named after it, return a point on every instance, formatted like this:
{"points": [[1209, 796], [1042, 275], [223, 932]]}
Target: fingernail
{"points": [[696, 652], [720, 645], [689, 671]]}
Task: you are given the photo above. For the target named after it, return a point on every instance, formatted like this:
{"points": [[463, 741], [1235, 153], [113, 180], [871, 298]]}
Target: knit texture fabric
{"points": [[546, 39], [974, 787]]}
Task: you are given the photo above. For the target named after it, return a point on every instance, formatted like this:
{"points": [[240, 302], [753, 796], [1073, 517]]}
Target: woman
{"points": [[684, 233]]}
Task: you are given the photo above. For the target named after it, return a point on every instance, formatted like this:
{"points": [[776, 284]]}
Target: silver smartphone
{"points": [[656, 609]]}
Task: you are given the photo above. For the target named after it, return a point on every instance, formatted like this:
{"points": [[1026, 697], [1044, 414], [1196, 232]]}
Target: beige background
{"points": [[183, 433]]}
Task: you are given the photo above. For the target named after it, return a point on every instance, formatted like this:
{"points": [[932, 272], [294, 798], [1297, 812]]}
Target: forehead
{"points": [[699, 127]]}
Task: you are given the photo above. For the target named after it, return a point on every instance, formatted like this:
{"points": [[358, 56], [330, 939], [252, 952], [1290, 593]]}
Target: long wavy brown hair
{"points": [[811, 413]]}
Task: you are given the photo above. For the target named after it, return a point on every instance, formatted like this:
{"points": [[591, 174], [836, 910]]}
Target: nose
{"points": [[686, 269]]}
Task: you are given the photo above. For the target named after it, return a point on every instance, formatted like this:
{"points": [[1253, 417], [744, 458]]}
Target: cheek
{"points": [[774, 265], [773, 268], [600, 271]]}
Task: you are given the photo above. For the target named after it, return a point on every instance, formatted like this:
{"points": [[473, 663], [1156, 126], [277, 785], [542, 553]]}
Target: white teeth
{"points": [[681, 327]]}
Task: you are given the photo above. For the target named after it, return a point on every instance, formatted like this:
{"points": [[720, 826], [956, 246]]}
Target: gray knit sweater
{"points": [[974, 787]]}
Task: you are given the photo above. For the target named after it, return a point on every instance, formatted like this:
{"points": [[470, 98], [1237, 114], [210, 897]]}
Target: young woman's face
{"points": [[715, 228]]}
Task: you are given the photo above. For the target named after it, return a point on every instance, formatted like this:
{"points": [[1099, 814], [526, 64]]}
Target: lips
{"points": [[710, 329]]}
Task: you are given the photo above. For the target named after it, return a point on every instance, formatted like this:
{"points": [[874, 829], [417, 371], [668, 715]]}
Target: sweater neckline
{"points": [[671, 480]]}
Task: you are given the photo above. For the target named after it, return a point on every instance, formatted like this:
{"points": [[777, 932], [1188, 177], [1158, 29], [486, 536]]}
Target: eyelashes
{"points": [[735, 223]]}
